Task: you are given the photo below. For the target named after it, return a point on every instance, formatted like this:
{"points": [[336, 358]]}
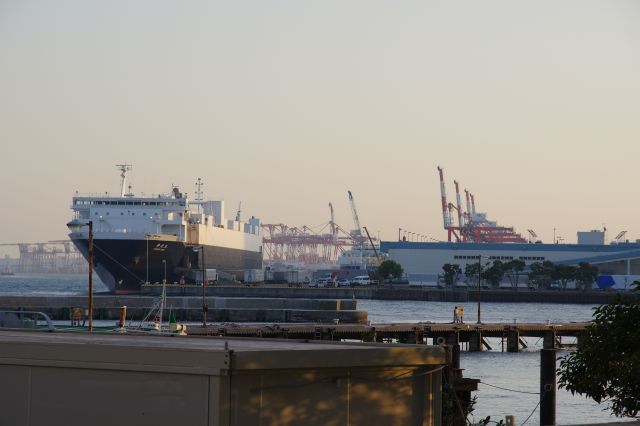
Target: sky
{"points": [[286, 105]]}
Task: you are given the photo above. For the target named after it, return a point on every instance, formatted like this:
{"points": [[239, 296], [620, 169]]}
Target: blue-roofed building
{"points": [[422, 261]]}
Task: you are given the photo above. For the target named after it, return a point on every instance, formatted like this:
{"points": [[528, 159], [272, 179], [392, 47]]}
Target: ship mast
{"points": [[199, 184], [124, 168]]}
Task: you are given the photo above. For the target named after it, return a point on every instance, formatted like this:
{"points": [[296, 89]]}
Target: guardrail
{"points": [[24, 319]]}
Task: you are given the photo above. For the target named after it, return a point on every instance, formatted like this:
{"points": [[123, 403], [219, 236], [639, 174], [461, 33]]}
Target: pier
{"points": [[470, 337]]}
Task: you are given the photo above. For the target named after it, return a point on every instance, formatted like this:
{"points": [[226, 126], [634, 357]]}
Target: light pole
{"points": [[479, 277], [90, 243], [146, 237], [205, 308], [164, 262]]}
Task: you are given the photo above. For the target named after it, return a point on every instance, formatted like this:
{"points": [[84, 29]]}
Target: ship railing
{"points": [[25, 319]]}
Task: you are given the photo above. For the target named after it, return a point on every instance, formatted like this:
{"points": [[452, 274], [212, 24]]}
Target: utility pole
{"points": [[479, 277], [205, 307], [547, 387], [91, 276]]}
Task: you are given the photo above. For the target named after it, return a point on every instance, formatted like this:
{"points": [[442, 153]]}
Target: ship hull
{"points": [[123, 265]]}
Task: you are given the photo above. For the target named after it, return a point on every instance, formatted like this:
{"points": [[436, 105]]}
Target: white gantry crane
{"points": [[356, 221]]}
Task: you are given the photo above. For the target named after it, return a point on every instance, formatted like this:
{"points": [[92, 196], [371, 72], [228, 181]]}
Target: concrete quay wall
{"points": [[190, 308], [116, 301], [396, 293]]}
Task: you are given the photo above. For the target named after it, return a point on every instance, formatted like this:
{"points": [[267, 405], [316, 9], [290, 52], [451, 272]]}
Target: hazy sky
{"points": [[285, 105]]}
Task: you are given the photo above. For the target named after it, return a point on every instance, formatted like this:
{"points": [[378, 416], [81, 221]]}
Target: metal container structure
{"points": [[80, 379]]}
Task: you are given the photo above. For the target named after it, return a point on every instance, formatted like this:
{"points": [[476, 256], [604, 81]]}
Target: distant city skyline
{"points": [[285, 105]]}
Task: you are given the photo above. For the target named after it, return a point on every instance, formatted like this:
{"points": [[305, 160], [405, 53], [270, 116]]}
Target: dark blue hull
{"points": [[123, 265]]}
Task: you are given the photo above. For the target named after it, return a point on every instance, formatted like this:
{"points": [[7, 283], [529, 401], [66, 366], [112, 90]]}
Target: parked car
{"points": [[360, 280], [343, 283], [325, 282]]}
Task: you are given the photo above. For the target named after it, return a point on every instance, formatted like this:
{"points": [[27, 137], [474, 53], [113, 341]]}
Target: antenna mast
{"points": [[124, 168], [199, 184]]}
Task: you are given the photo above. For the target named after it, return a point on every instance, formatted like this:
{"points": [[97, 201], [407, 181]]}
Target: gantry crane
{"points": [[357, 232]]}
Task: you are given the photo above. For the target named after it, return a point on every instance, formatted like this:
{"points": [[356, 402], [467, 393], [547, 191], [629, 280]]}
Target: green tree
{"points": [[586, 275], [540, 274], [390, 268], [563, 274], [606, 364], [494, 273], [451, 273], [471, 272], [513, 269]]}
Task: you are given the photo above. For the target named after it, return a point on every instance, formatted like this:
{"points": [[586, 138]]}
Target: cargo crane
{"points": [[357, 232], [239, 211], [472, 226], [619, 237], [48, 257], [334, 232], [317, 246]]}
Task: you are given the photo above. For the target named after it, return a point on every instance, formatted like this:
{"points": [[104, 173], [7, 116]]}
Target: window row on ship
{"points": [[127, 203]]}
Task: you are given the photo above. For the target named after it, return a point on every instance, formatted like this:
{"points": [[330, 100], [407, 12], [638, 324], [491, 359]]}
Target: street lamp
{"points": [[480, 257], [205, 308], [90, 247]]}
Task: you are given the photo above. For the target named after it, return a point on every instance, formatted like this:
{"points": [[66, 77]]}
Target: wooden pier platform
{"points": [[471, 334]]}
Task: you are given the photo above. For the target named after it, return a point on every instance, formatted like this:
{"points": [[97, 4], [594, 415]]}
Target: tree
{"points": [[390, 268], [471, 272], [586, 275], [494, 273], [540, 274], [606, 364], [513, 269], [451, 273], [563, 274]]}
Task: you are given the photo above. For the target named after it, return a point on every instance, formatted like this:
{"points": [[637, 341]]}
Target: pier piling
{"points": [[513, 340], [547, 387]]}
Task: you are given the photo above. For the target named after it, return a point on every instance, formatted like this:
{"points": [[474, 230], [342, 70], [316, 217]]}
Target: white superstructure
{"points": [[168, 216]]}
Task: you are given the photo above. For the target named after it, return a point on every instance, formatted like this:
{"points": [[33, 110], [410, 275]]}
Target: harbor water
{"points": [[517, 373]]}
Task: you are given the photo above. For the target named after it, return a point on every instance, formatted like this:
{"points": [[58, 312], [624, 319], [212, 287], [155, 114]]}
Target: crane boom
{"points": [[373, 246], [239, 212], [354, 212]]}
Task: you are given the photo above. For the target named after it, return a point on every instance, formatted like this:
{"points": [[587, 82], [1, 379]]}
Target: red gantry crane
{"points": [[472, 226]]}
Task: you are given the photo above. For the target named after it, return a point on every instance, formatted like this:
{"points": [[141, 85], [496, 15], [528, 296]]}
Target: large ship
{"points": [[163, 238]]}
